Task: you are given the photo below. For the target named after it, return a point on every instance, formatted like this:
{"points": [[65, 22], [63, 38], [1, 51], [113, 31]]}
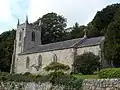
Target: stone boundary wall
{"points": [[101, 84], [28, 86], [88, 84]]}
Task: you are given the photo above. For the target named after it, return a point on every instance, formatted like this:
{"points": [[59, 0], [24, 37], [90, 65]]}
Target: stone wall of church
{"points": [[64, 56], [94, 49]]}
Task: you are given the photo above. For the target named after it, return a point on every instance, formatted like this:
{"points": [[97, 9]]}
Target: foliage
{"points": [[56, 78], [77, 31], [59, 78], [69, 82], [22, 77], [27, 73], [112, 43], [53, 27], [92, 31], [101, 20], [56, 66], [110, 73], [86, 63], [6, 49], [53, 75]]}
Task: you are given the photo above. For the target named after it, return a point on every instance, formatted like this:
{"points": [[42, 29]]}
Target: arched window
{"points": [[20, 36], [33, 36], [40, 61], [54, 58], [27, 62]]}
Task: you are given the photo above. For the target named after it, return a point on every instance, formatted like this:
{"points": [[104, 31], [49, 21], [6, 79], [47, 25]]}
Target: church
{"points": [[30, 55]]}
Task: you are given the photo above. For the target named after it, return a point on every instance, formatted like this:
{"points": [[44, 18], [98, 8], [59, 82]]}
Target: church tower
{"points": [[28, 36]]}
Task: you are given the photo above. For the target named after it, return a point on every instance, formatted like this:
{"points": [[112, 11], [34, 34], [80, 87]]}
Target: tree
{"points": [[86, 63], [6, 49], [112, 43], [55, 66], [92, 31], [102, 20], [77, 31], [53, 27]]}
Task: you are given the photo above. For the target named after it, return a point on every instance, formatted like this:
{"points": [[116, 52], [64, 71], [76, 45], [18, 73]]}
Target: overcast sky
{"points": [[81, 11]]}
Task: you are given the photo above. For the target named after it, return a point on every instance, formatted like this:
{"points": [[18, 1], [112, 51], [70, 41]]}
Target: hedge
{"points": [[109, 73], [21, 77], [55, 78]]}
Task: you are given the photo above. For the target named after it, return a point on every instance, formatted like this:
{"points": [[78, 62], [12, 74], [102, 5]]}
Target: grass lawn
{"points": [[86, 76]]}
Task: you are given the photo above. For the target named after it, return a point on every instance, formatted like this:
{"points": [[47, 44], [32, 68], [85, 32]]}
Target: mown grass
{"points": [[80, 76]]}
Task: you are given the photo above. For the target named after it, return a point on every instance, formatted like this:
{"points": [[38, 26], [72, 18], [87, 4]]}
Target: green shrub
{"points": [[86, 63], [27, 77], [59, 78], [54, 75], [109, 73], [4, 76], [55, 66], [37, 76], [27, 73], [69, 82]]}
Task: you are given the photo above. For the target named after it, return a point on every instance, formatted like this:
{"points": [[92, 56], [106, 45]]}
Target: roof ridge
{"points": [[59, 42]]}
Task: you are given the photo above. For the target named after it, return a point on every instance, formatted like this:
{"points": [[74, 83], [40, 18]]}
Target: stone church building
{"points": [[31, 56]]}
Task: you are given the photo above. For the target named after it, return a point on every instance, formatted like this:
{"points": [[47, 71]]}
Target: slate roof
{"points": [[79, 42], [91, 41]]}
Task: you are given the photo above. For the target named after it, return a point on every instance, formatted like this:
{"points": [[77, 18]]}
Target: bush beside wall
{"points": [[109, 73]]}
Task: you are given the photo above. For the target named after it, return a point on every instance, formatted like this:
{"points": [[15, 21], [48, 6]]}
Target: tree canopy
{"points": [[112, 43], [102, 19], [77, 31], [6, 49], [53, 27]]}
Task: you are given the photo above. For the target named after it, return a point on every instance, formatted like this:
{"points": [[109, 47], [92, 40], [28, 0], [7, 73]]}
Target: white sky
{"points": [[81, 11]]}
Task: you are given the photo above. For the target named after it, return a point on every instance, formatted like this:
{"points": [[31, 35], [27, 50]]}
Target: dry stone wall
{"points": [[88, 84], [101, 84]]}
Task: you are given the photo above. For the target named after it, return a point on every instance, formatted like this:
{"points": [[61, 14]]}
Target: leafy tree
{"points": [[86, 63], [53, 27], [102, 19], [56, 66], [92, 31], [6, 49], [77, 31], [112, 43]]}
